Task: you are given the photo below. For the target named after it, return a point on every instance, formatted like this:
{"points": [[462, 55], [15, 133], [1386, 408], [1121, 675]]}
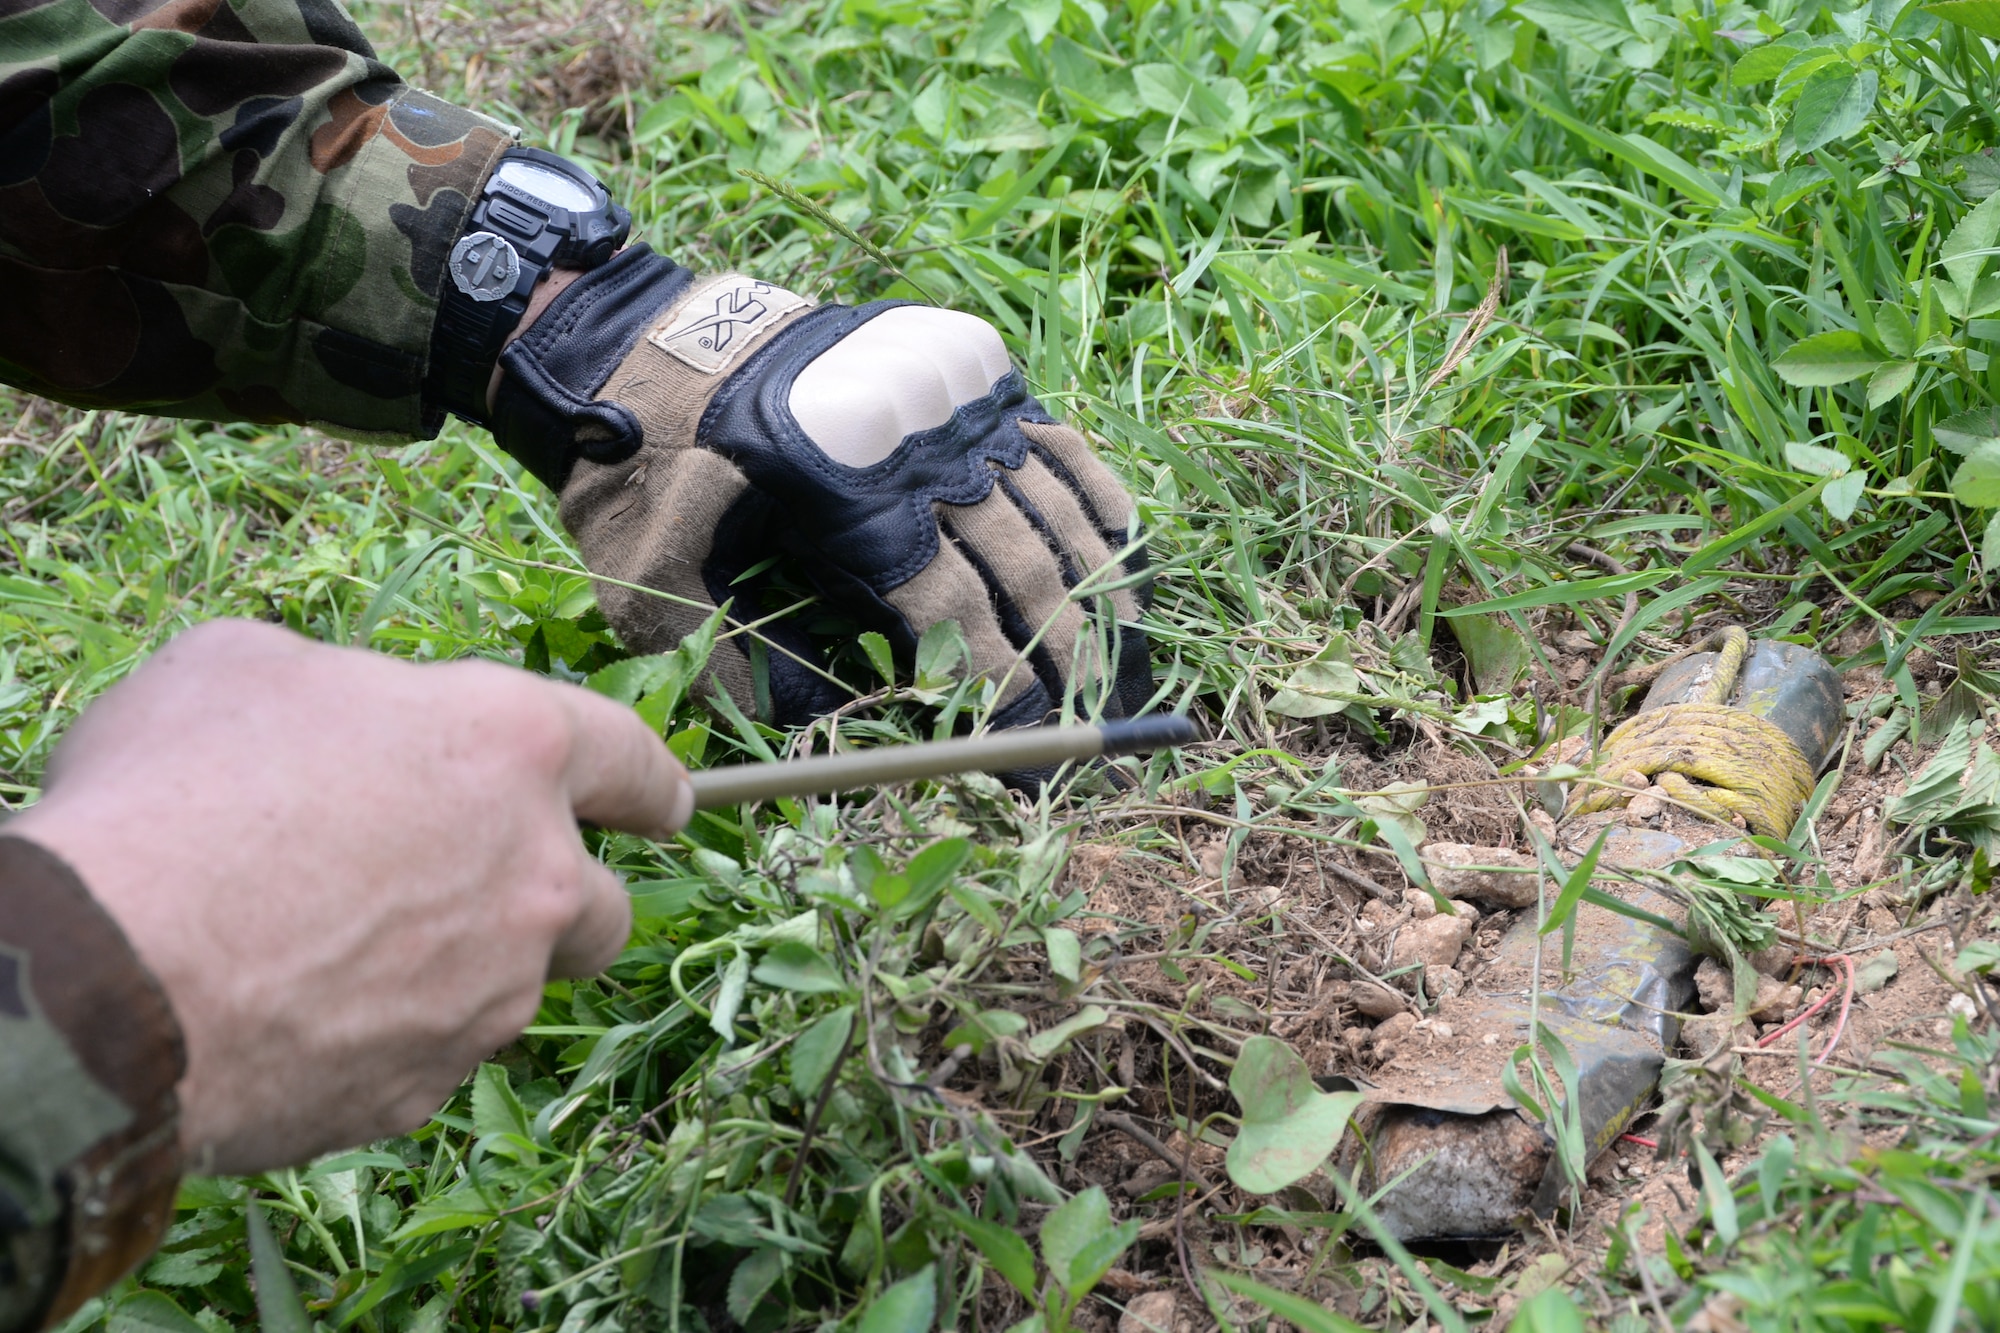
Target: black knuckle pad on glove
{"points": [[942, 527]]}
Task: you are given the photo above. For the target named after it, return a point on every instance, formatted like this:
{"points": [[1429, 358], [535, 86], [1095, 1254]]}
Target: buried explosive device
{"points": [[1735, 736]]}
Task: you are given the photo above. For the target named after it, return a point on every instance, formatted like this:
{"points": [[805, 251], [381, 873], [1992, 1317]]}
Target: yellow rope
{"points": [[1719, 761]]}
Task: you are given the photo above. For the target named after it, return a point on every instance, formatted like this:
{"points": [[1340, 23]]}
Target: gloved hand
{"points": [[695, 428]]}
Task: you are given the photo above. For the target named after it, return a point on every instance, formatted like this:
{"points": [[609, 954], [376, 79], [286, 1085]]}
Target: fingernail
{"points": [[683, 809]]}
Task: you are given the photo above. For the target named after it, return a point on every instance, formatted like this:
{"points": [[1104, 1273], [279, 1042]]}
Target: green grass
{"points": [[1243, 244]]}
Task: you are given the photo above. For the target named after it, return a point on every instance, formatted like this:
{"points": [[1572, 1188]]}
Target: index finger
{"points": [[620, 774]]}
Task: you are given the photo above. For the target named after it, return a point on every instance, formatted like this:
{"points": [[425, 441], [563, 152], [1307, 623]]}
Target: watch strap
{"points": [[466, 341]]}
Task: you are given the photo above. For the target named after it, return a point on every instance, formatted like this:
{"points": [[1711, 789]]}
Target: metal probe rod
{"points": [[1034, 747]]}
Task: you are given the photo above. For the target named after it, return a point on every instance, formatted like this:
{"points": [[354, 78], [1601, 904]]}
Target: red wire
{"points": [[1643, 1143], [1846, 1004]]}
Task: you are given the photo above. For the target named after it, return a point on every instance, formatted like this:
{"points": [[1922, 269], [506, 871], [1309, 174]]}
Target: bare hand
{"points": [[352, 875]]}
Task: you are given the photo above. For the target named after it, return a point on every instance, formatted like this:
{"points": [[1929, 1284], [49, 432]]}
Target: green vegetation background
{"points": [[1742, 338]]}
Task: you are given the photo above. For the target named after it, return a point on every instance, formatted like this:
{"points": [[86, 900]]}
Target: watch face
{"points": [[549, 186], [484, 266]]}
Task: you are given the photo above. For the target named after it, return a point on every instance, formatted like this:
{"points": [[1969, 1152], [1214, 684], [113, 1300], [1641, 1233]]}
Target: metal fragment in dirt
{"points": [[1471, 1163]]}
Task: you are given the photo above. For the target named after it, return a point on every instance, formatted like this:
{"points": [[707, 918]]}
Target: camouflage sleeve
{"points": [[89, 1056], [226, 209]]}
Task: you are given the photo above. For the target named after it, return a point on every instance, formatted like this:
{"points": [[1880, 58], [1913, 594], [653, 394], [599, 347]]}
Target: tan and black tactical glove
{"points": [[695, 428]]}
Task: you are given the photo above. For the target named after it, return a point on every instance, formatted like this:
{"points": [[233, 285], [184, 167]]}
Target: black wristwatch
{"points": [[537, 212]]}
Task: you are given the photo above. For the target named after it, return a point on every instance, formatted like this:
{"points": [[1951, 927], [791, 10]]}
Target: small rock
{"points": [[1377, 913], [1544, 822], [1713, 985], [1434, 943], [1880, 921], [1717, 988], [1491, 1039], [1451, 867], [1645, 805], [1636, 781], [1775, 961], [1442, 1029], [1575, 641], [1444, 982], [1711, 1033], [1149, 1176], [1775, 1000], [1963, 1006], [1395, 1027], [1376, 1001], [1150, 1313], [1422, 906]]}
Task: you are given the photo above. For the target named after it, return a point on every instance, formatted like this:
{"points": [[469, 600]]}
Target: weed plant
{"points": [[1400, 319]]}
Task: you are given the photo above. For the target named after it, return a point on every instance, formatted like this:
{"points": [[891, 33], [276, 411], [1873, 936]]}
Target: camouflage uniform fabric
{"points": [[224, 210], [89, 1056]]}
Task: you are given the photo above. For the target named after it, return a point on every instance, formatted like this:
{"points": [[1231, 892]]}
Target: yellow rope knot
{"points": [[1719, 761]]}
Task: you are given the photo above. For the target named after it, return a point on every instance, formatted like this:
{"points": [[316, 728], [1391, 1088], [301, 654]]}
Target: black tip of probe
{"points": [[1138, 735]]}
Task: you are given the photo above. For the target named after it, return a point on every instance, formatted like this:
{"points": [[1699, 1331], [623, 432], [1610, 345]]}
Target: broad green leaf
{"points": [[495, 1108], [984, 1028], [1760, 63], [1308, 1316], [1068, 1230], [1843, 493], [1989, 545], [1548, 1311], [1978, 956], [155, 1312], [879, 655], [624, 681], [931, 869], [1715, 1189], [1495, 650], [1317, 689], [753, 1278], [1793, 184], [1890, 379], [1065, 953], [1601, 25], [1834, 104], [1050, 1040], [942, 648], [791, 965], [1980, 16], [1817, 460], [908, 1307], [1002, 1247], [1089, 1265], [1977, 481], [1964, 251], [1039, 17], [1834, 357], [1965, 431], [818, 1049], [1289, 1125]]}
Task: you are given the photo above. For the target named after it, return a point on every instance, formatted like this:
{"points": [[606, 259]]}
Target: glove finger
{"points": [[1071, 458], [1055, 510], [651, 521], [950, 588], [1029, 589]]}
